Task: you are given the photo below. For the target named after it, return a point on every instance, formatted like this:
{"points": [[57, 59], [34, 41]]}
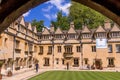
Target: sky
{"points": [[48, 11]]}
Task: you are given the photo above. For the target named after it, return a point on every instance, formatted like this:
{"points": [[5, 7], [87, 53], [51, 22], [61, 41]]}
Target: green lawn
{"points": [[77, 75]]}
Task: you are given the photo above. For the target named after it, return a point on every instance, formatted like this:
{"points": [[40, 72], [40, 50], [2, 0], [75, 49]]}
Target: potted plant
{"points": [[9, 73], [17, 68], [30, 66], [1, 63]]}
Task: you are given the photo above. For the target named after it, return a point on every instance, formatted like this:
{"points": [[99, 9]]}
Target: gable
{"points": [[29, 26], [45, 31], [115, 28], [71, 30], [58, 31], [85, 30], [100, 29], [35, 30], [22, 22]]}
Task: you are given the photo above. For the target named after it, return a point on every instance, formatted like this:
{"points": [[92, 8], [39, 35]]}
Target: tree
{"points": [[62, 21], [39, 24], [82, 15]]}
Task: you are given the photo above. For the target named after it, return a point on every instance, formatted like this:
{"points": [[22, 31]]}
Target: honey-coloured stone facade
{"points": [[21, 45]]}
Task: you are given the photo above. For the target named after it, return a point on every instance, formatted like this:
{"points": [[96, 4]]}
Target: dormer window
{"points": [[59, 36], [29, 33], [72, 36], [115, 34], [46, 37], [101, 35], [40, 37], [33, 35], [86, 35], [22, 29], [19, 27]]}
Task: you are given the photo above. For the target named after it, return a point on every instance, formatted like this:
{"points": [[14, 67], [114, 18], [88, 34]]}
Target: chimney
{"points": [[72, 24], [107, 24], [43, 29], [52, 28]]}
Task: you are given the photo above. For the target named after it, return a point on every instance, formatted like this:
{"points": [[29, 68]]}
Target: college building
{"points": [[21, 45]]}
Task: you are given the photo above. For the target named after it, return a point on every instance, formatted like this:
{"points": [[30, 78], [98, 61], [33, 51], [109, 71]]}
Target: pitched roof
{"points": [[86, 30], [19, 19], [115, 28], [100, 29], [46, 31], [35, 30], [22, 21], [29, 26], [71, 30], [58, 31], [26, 24]]}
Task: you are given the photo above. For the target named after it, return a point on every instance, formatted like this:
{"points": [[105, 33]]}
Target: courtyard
{"points": [[77, 75]]}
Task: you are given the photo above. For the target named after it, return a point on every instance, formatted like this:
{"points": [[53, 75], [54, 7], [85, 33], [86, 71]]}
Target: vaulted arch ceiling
{"points": [[10, 10]]}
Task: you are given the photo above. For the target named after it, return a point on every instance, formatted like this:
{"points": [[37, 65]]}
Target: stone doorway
{"points": [[97, 63], [68, 63]]}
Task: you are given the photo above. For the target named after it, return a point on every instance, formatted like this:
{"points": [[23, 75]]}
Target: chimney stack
{"points": [[107, 24], [52, 28], [72, 24]]}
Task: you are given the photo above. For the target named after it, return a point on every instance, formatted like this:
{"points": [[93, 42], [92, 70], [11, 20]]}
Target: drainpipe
{"points": [[14, 41], [28, 62], [53, 54], [53, 51], [82, 55]]}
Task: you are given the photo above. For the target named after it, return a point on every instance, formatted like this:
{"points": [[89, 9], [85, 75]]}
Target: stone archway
{"points": [[10, 10]]}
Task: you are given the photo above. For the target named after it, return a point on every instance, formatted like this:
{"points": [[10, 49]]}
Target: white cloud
{"points": [[65, 8], [50, 16], [59, 5], [47, 16], [54, 16], [48, 8], [27, 13]]}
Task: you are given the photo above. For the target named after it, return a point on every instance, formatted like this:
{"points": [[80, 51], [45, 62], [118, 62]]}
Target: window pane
{"points": [[110, 48]]}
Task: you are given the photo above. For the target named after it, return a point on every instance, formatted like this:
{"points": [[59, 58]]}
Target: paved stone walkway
{"points": [[23, 75]]}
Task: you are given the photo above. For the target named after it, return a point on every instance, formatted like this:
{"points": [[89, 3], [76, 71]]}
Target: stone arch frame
{"points": [[22, 6]]}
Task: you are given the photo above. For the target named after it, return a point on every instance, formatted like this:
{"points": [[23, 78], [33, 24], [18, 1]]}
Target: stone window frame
{"points": [[78, 48], [46, 61], [93, 47], [59, 48], [41, 49], [111, 62], [117, 48], [68, 49], [76, 61], [50, 49], [110, 48]]}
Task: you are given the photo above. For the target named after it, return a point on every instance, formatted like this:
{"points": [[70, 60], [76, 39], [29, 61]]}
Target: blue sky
{"points": [[48, 11]]}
